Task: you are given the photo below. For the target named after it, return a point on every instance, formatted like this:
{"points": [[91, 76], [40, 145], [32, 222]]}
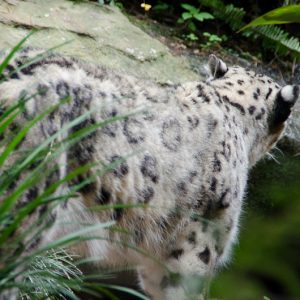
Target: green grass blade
{"points": [[74, 237], [12, 108], [11, 146], [6, 61], [24, 211], [37, 58], [48, 141], [7, 122]]}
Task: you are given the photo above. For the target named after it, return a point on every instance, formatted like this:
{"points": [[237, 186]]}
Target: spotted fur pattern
{"points": [[189, 149]]}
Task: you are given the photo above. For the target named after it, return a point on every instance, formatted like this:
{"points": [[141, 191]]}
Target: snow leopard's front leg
{"points": [[189, 264]]}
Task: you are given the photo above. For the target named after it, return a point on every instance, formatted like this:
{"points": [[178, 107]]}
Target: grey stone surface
{"points": [[96, 33]]}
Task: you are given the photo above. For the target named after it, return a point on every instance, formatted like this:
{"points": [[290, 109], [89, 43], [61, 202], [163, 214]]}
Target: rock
{"points": [[293, 128], [100, 34]]}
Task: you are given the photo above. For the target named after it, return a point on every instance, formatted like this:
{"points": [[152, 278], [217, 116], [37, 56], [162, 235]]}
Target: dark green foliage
{"points": [[273, 37], [228, 13], [233, 15], [229, 18], [281, 40]]}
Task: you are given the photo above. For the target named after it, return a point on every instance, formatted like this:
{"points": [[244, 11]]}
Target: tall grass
{"points": [[47, 271]]}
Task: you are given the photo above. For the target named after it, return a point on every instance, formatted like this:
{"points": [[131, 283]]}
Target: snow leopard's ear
{"points": [[284, 101], [217, 67]]}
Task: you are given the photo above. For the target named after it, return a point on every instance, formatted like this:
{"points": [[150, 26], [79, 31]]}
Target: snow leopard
{"points": [[181, 154]]}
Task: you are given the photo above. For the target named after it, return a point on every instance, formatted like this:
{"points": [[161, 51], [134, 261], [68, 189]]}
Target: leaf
{"points": [[180, 21], [192, 37], [186, 16], [188, 7], [280, 37], [192, 26], [203, 16], [215, 4], [282, 15], [161, 7]]}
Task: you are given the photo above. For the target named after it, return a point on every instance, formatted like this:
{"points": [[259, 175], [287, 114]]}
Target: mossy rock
{"points": [[100, 34]]}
